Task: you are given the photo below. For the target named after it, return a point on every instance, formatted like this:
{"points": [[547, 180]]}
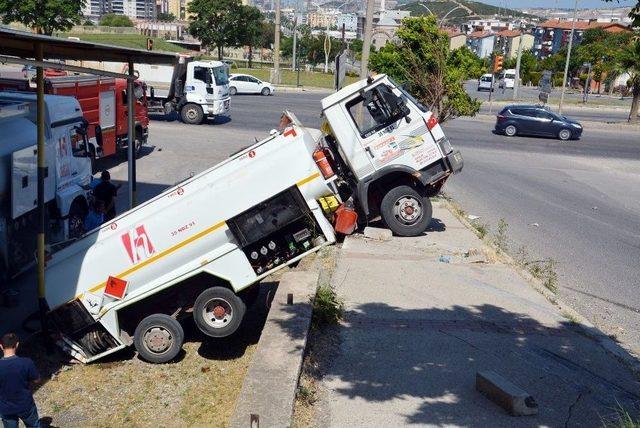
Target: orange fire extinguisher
{"points": [[322, 162]]}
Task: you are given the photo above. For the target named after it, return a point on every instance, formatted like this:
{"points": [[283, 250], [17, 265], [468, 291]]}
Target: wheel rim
{"points": [[564, 134], [192, 114], [217, 313], [510, 130], [407, 210], [157, 340]]}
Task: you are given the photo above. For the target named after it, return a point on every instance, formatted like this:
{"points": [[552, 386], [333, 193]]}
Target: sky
{"points": [[566, 4]]}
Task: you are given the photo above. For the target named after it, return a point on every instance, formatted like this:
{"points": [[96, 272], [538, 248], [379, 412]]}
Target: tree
{"points": [[166, 17], [466, 61], [214, 23], [88, 23], [45, 17], [113, 20], [421, 60], [250, 20], [629, 60]]}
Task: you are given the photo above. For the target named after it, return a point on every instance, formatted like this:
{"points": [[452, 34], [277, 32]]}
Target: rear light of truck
{"points": [[431, 122]]}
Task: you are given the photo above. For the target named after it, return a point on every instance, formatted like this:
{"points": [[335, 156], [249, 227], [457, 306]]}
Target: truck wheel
{"points": [[77, 213], [158, 338], [192, 114], [218, 312], [405, 211]]}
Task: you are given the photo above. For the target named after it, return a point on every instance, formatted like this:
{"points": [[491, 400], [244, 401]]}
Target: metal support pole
{"points": [[42, 163], [516, 83], [276, 47], [491, 91], [295, 42], [587, 84], [366, 42], [566, 65], [131, 139]]}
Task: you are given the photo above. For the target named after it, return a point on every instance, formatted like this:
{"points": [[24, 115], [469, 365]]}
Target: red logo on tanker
{"points": [[180, 190], [138, 244], [252, 154]]}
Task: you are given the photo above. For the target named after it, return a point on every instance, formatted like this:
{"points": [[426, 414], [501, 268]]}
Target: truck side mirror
{"points": [[152, 91], [98, 132]]}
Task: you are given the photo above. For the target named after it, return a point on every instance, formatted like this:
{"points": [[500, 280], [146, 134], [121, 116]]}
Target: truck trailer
{"points": [[201, 247]]}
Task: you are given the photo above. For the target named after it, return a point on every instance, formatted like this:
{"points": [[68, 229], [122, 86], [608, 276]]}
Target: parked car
{"points": [[246, 84], [484, 82], [536, 120]]}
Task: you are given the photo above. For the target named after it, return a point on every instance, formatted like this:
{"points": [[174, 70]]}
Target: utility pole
{"points": [[566, 65], [366, 42], [295, 41], [516, 83], [275, 78]]}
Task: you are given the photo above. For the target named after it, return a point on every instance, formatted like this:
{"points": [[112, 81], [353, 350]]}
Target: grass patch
{"points": [[545, 271], [328, 308], [624, 420], [481, 228], [133, 41], [500, 239], [289, 77], [570, 317]]}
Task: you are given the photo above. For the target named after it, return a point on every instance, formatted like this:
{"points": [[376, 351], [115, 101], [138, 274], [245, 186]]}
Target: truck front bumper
{"points": [[218, 107], [454, 159]]}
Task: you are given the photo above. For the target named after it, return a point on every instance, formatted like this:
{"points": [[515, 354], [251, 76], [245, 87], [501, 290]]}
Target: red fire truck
{"points": [[104, 105]]}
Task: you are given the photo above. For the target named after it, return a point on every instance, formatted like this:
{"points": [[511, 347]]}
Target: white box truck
{"points": [[200, 248], [68, 170]]}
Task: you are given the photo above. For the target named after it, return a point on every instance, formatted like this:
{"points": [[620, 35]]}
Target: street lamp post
{"points": [[566, 65], [516, 83], [366, 43]]}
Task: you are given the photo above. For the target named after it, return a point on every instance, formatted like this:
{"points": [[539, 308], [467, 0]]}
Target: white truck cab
{"points": [[200, 248], [68, 170], [193, 89]]}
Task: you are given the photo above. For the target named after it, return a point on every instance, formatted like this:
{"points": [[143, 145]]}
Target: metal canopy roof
{"points": [[22, 44]]}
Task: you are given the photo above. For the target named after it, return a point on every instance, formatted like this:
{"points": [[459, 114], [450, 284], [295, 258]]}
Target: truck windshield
{"points": [[407, 95], [372, 112], [220, 76]]}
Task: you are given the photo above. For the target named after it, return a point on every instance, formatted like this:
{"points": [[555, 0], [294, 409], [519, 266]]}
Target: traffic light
{"points": [[497, 63], [149, 44]]}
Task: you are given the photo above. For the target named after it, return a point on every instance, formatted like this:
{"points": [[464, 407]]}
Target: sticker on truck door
{"points": [[138, 244]]}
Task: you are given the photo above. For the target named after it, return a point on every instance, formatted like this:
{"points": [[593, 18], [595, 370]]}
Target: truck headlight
{"points": [[445, 145]]}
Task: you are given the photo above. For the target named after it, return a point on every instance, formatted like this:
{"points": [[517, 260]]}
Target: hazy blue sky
{"points": [[559, 3]]}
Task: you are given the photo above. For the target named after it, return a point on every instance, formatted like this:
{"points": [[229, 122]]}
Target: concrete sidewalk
{"points": [[417, 330]]}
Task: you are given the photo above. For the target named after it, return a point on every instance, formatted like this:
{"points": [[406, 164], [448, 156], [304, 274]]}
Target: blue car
{"points": [[537, 121]]}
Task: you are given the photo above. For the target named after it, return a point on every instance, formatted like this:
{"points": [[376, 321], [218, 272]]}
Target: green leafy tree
{"points": [[250, 20], [88, 23], [45, 17], [629, 61], [113, 20], [166, 17], [421, 60], [215, 23], [466, 61]]}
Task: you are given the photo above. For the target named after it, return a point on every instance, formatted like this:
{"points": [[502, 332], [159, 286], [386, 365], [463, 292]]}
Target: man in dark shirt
{"points": [[106, 192], [17, 375]]}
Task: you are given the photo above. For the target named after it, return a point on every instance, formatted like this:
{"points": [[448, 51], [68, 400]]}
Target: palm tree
{"points": [[629, 61]]}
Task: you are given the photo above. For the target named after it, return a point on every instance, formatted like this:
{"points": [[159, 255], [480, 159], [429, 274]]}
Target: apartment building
{"points": [[508, 41], [134, 9]]}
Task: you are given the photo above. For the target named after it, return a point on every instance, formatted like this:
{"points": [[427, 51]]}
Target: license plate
{"points": [[457, 157]]}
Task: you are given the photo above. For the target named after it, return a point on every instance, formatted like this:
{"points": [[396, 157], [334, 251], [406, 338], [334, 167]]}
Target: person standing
{"points": [[106, 192], [17, 376]]}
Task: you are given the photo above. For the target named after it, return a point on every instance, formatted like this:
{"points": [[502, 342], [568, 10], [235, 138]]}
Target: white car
{"points": [[246, 84], [484, 82], [507, 79]]}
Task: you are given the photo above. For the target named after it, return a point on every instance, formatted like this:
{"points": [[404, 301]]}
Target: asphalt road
{"points": [[576, 202]]}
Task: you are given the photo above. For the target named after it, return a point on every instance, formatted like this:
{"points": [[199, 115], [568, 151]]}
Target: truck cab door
{"points": [[390, 129], [199, 81]]}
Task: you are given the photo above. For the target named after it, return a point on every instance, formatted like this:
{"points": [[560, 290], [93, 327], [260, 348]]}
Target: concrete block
{"points": [[378, 233], [505, 394]]}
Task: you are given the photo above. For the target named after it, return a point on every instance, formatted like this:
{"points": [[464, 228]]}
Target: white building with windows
{"points": [[350, 21], [134, 9]]}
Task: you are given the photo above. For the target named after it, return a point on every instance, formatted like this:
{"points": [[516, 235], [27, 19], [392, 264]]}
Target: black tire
{"points": [[232, 90], [396, 215], [510, 130], [564, 134], [77, 212], [265, 91], [230, 312], [192, 114], [158, 338]]}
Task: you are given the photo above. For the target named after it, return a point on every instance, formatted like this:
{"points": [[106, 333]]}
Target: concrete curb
{"points": [[310, 89], [268, 392], [588, 329]]}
